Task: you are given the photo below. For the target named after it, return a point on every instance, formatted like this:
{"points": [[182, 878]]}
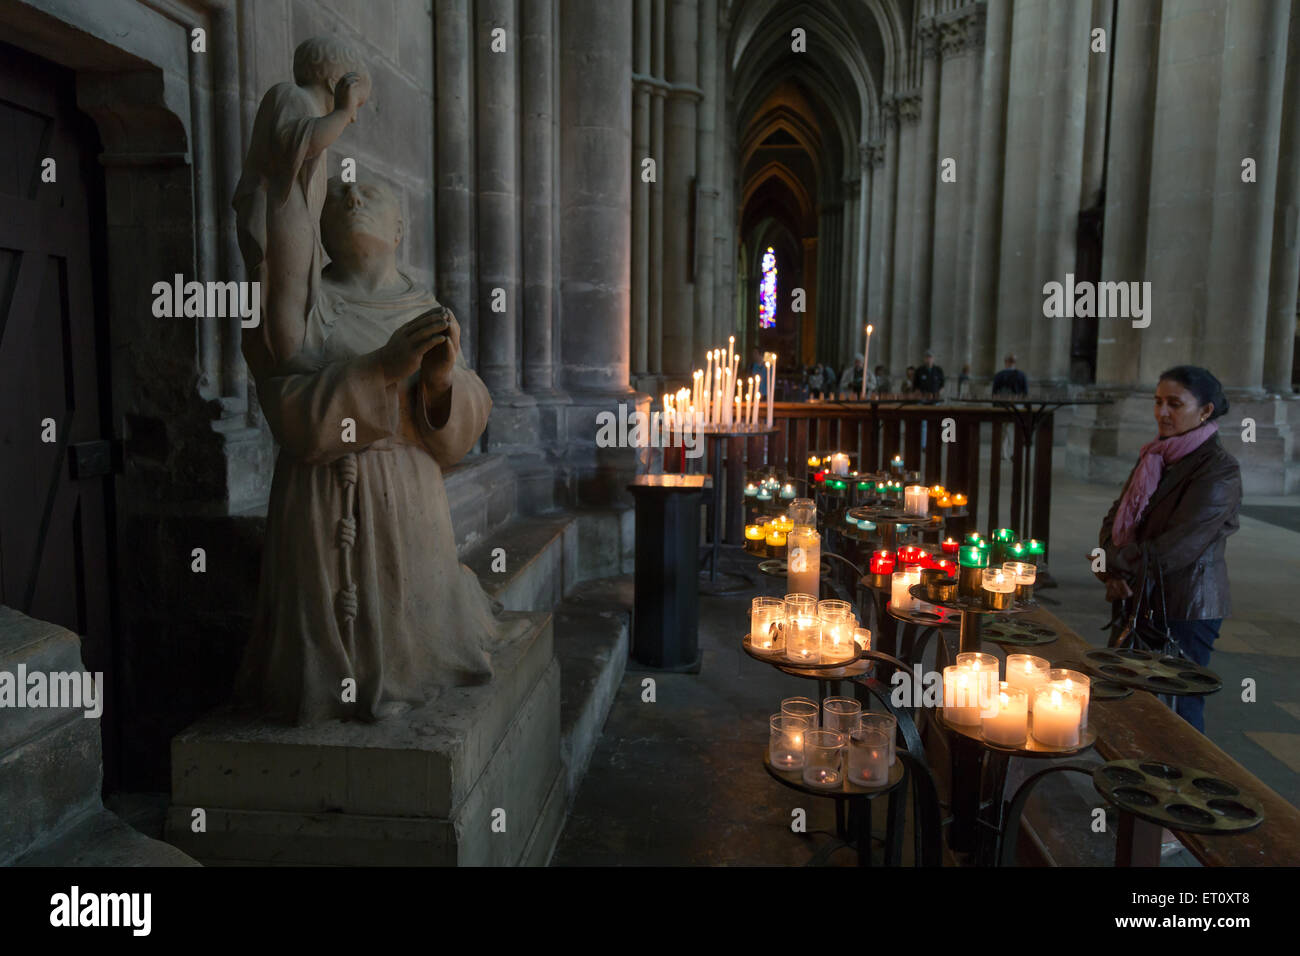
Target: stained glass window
{"points": [[767, 291]]}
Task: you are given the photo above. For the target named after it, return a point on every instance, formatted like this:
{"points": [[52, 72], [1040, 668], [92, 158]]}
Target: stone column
{"points": [[1094, 138], [497, 134], [963, 50], [595, 196], [537, 49], [900, 339], [832, 349], [811, 280], [677, 172], [884, 158], [454, 170], [830, 241], [655, 332], [1135, 48], [986, 244], [862, 259], [706, 194], [641, 190], [953, 81], [1284, 276], [1064, 87], [1019, 288], [1241, 242], [927, 175]]}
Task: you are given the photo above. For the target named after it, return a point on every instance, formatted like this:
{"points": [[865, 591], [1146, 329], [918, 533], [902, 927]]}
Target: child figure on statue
{"points": [[280, 194]]}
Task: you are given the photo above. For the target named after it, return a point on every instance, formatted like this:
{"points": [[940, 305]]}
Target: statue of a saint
{"points": [[360, 578]]}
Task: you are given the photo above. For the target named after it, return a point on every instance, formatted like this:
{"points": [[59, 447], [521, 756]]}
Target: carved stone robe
{"points": [[360, 577]]}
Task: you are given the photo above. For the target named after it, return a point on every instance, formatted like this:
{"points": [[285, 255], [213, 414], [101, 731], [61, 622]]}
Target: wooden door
{"points": [[55, 463]]}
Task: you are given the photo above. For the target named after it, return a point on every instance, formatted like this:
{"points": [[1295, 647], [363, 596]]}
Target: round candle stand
{"points": [[1005, 630], [852, 802], [1144, 670], [827, 674], [1103, 688], [1180, 798], [972, 611], [779, 658], [888, 518], [1030, 748]]}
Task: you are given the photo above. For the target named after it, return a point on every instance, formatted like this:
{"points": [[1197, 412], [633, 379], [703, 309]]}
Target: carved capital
{"points": [[927, 32], [876, 152], [962, 31], [908, 106]]}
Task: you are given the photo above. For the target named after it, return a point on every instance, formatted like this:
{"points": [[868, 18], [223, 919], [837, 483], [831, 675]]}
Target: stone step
{"points": [[35, 646], [104, 839], [538, 557], [593, 627]]}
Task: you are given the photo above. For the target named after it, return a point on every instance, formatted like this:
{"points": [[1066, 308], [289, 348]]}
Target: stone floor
{"points": [[678, 781]]}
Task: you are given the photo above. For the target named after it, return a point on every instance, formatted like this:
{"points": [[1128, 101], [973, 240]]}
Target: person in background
{"points": [[963, 382], [1010, 381], [1179, 506], [816, 380], [907, 389], [928, 379], [756, 367], [851, 380], [881, 384]]}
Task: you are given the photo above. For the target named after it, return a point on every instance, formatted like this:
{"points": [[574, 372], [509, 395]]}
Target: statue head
{"points": [[321, 61], [360, 220]]}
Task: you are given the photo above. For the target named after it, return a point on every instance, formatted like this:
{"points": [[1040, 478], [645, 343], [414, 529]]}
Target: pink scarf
{"points": [[1152, 460]]}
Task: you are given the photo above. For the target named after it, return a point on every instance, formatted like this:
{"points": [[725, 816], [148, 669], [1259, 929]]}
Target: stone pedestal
{"points": [[471, 778]]}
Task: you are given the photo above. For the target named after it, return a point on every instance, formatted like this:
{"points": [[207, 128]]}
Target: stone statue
{"points": [[360, 578], [279, 195]]}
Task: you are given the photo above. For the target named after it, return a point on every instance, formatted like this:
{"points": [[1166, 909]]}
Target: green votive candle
{"points": [[973, 556], [1034, 550], [1006, 535], [1017, 551], [974, 537]]}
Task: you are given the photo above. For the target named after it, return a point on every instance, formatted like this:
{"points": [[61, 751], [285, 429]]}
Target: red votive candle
{"points": [[949, 546], [882, 562]]}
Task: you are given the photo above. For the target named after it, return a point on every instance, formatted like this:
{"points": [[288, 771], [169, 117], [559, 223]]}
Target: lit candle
{"points": [[943, 503], [866, 525], [803, 641], [999, 588], [1036, 550], [763, 494], [1028, 672], [937, 491], [946, 565], [1076, 683], [839, 463], [751, 490], [785, 747], [1008, 724], [900, 598], [814, 461], [961, 697], [950, 546], [787, 490], [770, 364], [1016, 551], [917, 498], [973, 560], [784, 523], [866, 356], [1057, 714], [896, 463], [803, 564], [1025, 574], [838, 625], [766, 616], [754, 532], [882, 562], [959, 501], [776, 538]]}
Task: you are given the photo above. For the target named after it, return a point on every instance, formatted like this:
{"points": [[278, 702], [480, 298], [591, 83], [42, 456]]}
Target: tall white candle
{"points": [[866, 362], [708, 374], [770, 391]]}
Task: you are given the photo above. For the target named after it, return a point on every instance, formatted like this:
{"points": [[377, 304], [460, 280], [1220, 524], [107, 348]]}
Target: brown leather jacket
{"points": [[1187, 523]]}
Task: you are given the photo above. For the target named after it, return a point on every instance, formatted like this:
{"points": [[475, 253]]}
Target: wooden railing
{"points": [[873, 432]]}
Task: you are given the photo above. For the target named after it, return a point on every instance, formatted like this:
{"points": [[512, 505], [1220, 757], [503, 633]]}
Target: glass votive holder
{"points": [[805, 708], [1058, 716], [1006, 722], [862, 638], [1029, 672], [821, 758], [961, 696], [1074, 681], [887, 724], [766, 622], [838, 624], [841, 714], [868, 757], [803, 639], [999, 588], [1024, 574], [800, 605], [785, 741]]}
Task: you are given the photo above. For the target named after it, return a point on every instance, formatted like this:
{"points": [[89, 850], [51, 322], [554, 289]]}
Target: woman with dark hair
{"points": [[1178, 507]]}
